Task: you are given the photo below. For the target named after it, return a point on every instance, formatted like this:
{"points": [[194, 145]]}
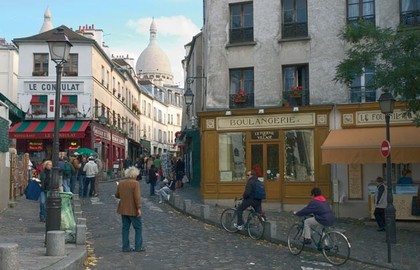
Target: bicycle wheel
{"points": [[255, 226], [335, 247], [228, 219], [295, 238]]}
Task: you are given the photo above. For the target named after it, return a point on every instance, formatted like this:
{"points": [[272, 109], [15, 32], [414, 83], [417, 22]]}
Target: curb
{"points": [[73, 261]]}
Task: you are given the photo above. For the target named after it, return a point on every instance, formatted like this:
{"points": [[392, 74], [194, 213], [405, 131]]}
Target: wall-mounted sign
{"points": [[42, 87], [73, 145], [266, 121], [265, 135], [377, 117], [35, 145]]}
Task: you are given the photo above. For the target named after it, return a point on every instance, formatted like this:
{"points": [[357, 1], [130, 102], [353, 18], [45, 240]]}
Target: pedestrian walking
{"points": [[82, 176], [45, 176], [129, 207], [179, 172], [380, 203], [152, 179], [91, 170], [99, 176], [67, 173]]}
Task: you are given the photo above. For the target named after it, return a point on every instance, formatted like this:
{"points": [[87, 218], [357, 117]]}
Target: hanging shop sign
{"points": [[35, 145], [265, 135], [73, 145]]}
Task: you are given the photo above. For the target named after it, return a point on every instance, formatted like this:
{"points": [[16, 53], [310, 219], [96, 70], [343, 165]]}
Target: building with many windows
{"points": [[104, 106], [270, 103]]}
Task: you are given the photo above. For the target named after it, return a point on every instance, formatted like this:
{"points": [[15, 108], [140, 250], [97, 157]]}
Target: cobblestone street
{"points": [[175, 241]]}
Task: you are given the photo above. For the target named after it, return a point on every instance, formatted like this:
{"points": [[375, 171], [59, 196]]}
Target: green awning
{"points": [[15, 114]]}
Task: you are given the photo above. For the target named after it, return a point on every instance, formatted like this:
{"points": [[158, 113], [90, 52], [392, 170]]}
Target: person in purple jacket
{"points": [[323, 215]]}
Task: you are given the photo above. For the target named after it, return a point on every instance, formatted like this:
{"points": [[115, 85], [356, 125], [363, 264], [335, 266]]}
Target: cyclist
{"points": [[248, 199], [323, 215]]}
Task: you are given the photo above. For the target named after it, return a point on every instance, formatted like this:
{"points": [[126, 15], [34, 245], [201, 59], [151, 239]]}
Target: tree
{"points": [[394, 55]]}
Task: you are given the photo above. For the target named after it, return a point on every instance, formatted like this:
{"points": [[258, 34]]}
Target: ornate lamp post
{"points": [[386, 103], [189, 98], [59, 47]]}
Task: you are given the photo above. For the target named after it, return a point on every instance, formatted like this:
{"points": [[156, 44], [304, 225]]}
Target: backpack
{"points": [[67, 170], [259, 191], [32, 190]]}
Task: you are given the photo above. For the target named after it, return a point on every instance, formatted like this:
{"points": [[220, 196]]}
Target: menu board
{"points": [[355, 182]]}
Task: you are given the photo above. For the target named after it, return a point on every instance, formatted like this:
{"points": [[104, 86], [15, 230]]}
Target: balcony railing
{"points": [[362, 94], [357, 19], [296, 100], [238, 35], [247, 102], [410, 18], [295, 30]]}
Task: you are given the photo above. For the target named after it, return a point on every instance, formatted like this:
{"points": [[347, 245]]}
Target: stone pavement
{"points": [[367, 244], [21, 225]]}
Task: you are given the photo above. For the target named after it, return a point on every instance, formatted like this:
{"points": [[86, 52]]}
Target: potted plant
{"points": [[240, 96], [296, 91]]}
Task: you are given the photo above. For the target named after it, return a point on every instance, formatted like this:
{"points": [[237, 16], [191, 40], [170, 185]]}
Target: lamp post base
{"points": [[53, 207], [390, 226]]}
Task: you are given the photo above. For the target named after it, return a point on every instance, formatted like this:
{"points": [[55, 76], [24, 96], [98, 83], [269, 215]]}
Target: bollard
{"points": [[56, 243], [80, 234], [9, 259], [77, 207], [81, 221], [76, 197], [205, 211], [172, 199], [270, 230], [177, 202], [187, 206], [78, 215]]}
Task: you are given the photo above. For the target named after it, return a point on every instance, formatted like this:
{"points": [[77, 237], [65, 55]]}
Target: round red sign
{"points": [[385, 148], [97, 139]]}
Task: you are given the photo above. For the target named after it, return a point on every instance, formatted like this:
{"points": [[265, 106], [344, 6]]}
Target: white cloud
{"points": [[172, 34]]}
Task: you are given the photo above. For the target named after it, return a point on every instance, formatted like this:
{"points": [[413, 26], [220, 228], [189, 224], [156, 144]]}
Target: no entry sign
{"points": [[385, 148]]}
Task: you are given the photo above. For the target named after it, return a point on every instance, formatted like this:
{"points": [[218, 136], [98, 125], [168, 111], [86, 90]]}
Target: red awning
{"points": [[38, 100], [68, 99], [44, 129]]}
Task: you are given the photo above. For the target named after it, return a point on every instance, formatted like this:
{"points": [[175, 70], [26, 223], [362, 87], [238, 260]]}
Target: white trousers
{"points": [[309, 222]]}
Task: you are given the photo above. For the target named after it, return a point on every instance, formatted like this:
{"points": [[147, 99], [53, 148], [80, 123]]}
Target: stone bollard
{"points": [[177, 201], [270, 230], [78, 215], [56, 243], [76, 198], [80, 234], [81, 221], [205, 211], [77, 207], [172, 199], [187, 206], [9, 259]]}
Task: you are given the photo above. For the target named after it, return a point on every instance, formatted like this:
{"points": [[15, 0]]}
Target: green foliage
{"points": [[394, 54]]}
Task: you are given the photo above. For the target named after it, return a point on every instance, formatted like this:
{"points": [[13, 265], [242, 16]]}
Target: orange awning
{"points": [[362, 145]]}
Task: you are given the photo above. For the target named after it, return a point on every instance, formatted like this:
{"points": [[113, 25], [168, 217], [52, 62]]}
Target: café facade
{"points": [[336, 148], [283, 147]]}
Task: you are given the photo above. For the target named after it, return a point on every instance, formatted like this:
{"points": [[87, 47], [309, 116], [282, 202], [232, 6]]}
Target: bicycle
{"points": [[254, 223], [334, 245]]}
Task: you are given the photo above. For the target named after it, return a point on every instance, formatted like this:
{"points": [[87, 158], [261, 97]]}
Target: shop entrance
{"points": [[265, 160]]}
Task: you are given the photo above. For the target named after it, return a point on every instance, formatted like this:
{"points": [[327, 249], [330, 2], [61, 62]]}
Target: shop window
{"points": [[361, 89], [40, 64], [360, 10], [295, 19], [241, 23], [241, 88], [299, 155], [410, 12], [232, 156], [296, 85], [70, 68]]}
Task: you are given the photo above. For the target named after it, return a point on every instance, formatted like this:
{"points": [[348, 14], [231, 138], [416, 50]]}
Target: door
{"points": [[265, 161]]}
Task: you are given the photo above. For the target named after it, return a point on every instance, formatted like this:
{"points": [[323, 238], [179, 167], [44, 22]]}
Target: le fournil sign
{"points": [[50, 86], [377, 117]]}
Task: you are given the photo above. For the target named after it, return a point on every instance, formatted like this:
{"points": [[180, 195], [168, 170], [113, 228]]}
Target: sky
{"points": [[125, 23]]}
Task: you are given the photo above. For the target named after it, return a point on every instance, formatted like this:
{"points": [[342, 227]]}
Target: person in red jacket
{"points": [[129, 207], [323, 215]]}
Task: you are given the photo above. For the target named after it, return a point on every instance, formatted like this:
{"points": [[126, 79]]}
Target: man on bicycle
{"points": [[248, 199], [323, 215]]}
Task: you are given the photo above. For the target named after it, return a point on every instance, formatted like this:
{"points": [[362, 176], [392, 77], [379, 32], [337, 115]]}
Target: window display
{"points": [[299, 155]]}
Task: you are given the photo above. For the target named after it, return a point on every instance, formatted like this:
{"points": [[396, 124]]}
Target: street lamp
{"points": [[59, 47], [386, 103], [189, 98]]}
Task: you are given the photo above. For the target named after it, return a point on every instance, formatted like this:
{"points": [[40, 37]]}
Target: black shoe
{"points": [[128, 250], [307, 241], [140, 250], [381, 229]]}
